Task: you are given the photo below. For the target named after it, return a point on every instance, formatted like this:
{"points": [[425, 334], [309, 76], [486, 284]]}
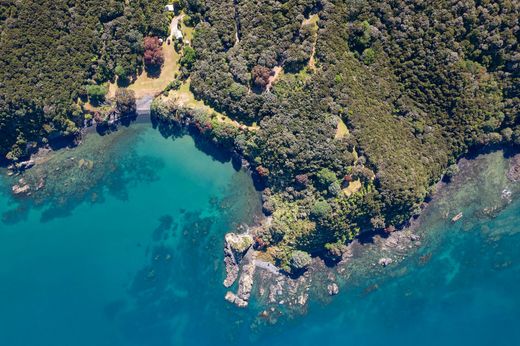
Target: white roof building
{"points": [[178, 34], [169, 8]]}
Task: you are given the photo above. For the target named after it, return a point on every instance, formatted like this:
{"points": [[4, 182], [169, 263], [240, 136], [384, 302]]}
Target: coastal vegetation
{"points": [[55, 52], [348, 111]]}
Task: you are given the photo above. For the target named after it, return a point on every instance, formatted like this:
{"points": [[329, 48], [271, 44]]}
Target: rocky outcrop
{"points": [[239, 243], [245, 284], [385, 261], [333, 289], [234, 299], [21, 188], [236, 245], [231, 267], [21, 166]]}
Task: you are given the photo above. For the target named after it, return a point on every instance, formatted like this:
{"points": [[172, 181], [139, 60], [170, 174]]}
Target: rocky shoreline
{"points": [[254, 276], [280, 292]]}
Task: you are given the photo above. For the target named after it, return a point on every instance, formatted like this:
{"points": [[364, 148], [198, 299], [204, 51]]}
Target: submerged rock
{"points": [[21, 189], [333, 289], [385, 261]]}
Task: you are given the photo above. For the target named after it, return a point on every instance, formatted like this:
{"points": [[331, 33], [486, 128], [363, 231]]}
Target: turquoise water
{"points": [[123, 246]]}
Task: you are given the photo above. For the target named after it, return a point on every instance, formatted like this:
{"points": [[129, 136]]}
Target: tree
{"points": [[121, 73], [369, 56], [321, 209], [260, 76], [188, 57], [96, 93], [125, 101], [153, 53], [325, 177]]}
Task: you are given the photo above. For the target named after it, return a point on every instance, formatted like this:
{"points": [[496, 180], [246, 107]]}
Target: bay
{"points": [[123, 246]]}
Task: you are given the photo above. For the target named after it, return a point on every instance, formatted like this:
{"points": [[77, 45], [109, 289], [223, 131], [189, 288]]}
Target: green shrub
{"points": [[300, 260], [321, 209], [325, 177], [96, 93]]}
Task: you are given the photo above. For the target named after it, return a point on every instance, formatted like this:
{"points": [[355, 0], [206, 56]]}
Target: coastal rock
{"points": [[231, 268], [21, 187], [236, 245], [18, 190], [414, 237], [239, 243], [25, 165], [234, 299], [245, 284], [41, 184], [385, 261], [507, 195], [333, 289]]}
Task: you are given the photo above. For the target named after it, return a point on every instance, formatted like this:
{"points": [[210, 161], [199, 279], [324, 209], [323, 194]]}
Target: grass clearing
{"points": [[342, 130], [146, 85], [352, 188], [184, 97]]}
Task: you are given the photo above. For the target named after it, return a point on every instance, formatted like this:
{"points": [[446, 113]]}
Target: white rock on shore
{"points": [[236, 245]]}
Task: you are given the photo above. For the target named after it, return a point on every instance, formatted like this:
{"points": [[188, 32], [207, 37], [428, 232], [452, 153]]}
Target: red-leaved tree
{"points": [[260, 76], [153, 53]]}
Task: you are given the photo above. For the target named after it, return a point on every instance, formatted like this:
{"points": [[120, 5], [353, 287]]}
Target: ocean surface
{"points": [[122, 245]]}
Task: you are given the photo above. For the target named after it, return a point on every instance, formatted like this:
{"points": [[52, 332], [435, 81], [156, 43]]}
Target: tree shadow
{"points": [[153, 71]]}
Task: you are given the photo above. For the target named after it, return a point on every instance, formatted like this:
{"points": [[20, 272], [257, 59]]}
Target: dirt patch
{"points": [[274, 76]]}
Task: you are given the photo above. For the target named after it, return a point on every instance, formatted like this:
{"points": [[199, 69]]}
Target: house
{"points": [[169, 8], [178, 34]]}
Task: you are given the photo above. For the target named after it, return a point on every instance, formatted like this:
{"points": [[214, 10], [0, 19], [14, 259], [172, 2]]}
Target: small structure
{"points": [[178, 34], [169, 8]]}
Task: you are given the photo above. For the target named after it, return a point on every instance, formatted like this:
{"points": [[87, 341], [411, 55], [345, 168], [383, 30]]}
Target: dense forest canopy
{"points": [[411, 84], [53, 49], [418, 83]]}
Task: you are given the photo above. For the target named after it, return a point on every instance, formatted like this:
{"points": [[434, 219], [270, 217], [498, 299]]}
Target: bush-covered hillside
{"points": [[417, 83], [52, 49]]}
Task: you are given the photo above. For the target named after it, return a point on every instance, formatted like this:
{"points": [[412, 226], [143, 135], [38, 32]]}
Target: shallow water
{"points": [[133, 256]]}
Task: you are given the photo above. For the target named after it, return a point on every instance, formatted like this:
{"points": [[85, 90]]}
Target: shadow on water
{"points": [[207, 146]]}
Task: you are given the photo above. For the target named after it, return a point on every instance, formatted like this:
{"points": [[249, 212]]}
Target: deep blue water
{"points": [[127, 250]]}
